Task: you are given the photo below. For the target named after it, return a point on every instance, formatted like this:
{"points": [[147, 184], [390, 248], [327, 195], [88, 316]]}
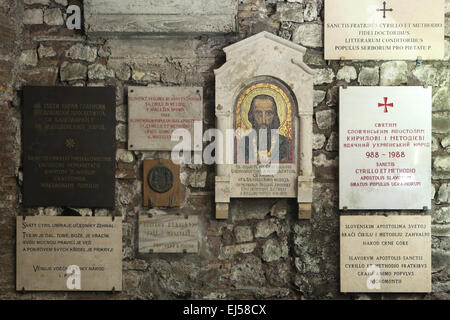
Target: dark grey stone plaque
{"points": [[160, 179], [69, 146]]}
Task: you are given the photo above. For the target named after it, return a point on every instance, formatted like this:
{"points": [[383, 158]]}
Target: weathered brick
{"points": [[125, 171], [10, 181], [5, 71], [40, 76]]}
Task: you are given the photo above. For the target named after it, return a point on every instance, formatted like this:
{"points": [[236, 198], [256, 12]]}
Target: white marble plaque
{"points": [[160, 17], [168, 234], [384, 30], [248, 181], [385, 254], [384, 148], [69, 254], [155, 112], [264, 97]]}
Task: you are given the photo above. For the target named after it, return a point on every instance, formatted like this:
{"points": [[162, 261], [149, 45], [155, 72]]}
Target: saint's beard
{"points": [[260, 129]]}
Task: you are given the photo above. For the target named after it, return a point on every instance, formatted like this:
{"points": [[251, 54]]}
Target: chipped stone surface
{"points": [[33, 16], [82, 52], [243, 234], [121, 132], [46, 52], [322, 161], [441, 122], [318, 141], [290, 12], [29, 58], [265, 228], [429, 75], [307, 264], [84, 212], [279, 209], [441, 215], [441, 99], [311, 10], [324, 76], [309, 35], [442, 163], [247, 271], [445, 142], [197, 179], [433, 191], [434, 144], [53, 17], [319, 95], [393, 73], [369, 76], [325, 119], [333, 142], [439, 230], [124, 156], [121, 70], [228, 252], [99, 72], [274, 250], [346, 73], [447, 50], [73, 71], [444, 193]]}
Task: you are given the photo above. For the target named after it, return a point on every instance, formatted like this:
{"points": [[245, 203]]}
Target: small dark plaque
{"points": [[69, 146], [160, 179], [161, 183]]}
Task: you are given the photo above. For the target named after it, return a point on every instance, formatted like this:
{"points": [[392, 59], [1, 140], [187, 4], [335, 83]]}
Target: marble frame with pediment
{"points": [[265, 55]]}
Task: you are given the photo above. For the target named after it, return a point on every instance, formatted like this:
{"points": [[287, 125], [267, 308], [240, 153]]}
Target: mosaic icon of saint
{"points": [[264, 143]]}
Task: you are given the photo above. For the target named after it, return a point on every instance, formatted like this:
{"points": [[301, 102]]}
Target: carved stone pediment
{"points": [[269, 68]]}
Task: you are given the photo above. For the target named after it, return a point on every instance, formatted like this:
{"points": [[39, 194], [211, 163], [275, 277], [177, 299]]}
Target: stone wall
{"points": [[263, 251]]}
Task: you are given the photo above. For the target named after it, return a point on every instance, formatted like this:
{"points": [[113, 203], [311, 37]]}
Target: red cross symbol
{"points": [[385, 104]]}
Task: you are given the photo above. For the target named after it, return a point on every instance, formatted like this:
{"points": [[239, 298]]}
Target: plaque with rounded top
{"points": [[160, 179]]}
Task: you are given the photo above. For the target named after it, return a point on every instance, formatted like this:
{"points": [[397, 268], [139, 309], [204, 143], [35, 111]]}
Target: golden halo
{"points": [[284, 107]]}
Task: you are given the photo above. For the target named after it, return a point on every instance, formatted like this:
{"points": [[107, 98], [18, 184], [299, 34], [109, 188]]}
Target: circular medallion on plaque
{"points": [[160, 179]]}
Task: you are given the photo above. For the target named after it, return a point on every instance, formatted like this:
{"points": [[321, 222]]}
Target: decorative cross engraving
{"points": [[385, 105], [384, 9]]}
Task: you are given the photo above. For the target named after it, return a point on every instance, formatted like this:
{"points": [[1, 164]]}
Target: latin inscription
{"points": [[385, 148], [371, 30], [385, 254]]}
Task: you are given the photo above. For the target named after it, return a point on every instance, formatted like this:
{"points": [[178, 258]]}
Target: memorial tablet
{"points": [[154, 113], [69, 146], [168, 234], [69, 253], [160, 17], [385, 148], [161, 183], [384, 30], [385, 254], [264, 95]]}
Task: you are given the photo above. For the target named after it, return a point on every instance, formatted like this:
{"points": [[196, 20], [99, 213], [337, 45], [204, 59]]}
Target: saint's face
{"points": [[263, 113]]}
